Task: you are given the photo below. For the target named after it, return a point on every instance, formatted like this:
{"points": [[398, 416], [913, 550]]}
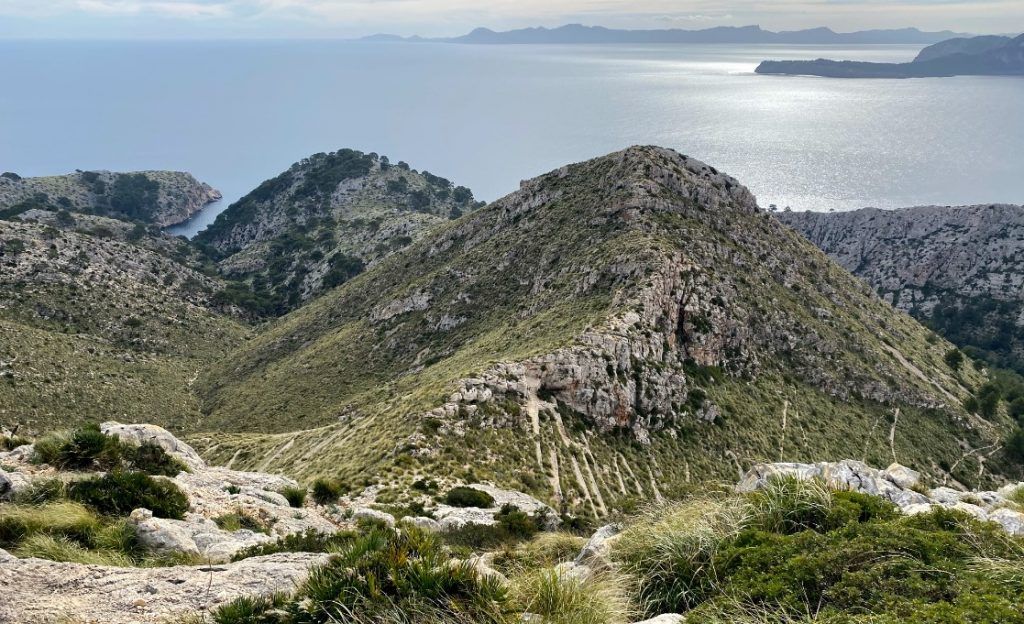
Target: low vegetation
{"points": [[296, 496], [799, 550], [796, 551], [88, 448], [382, 576], [463, 496], [326, 491], [69, 531], [119, 493]]}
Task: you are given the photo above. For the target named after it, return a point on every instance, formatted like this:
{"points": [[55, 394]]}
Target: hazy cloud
{"points": [[434, 17]]}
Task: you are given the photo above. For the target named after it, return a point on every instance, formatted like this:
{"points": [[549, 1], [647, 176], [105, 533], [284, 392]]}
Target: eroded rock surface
{"points": [[40, 591], [895, 484]]}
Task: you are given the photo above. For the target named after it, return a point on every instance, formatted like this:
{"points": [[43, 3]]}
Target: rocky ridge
{"points": [[160, 198], [959, 269], [643, 293]]}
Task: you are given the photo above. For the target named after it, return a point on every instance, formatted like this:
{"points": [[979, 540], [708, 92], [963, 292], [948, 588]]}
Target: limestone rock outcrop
{"points": [[899, 485], [45, 592]]}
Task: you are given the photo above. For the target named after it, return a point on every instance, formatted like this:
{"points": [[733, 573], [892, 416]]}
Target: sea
{"points": [[235, 113]]}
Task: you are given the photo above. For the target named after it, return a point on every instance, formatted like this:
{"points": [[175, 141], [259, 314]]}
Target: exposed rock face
{"points": [[894, 484], [40, 591], [959, 268], [326, 219], [162, 198]]}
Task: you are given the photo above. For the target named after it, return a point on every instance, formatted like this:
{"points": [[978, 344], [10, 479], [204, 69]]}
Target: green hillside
{"points": [[610, 332]]}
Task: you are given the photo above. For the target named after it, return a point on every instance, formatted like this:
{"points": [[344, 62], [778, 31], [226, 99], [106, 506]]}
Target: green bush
{"points": [[384, 576], [326, 491], [238, 520], [462, 496], [517, 523], [296, 496], [954, 359], [90, 449], [9, 443], [118, 493], [799, 548], [310, 541], [1015, 445]]}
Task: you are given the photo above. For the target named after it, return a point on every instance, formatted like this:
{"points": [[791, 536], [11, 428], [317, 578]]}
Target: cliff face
{"points": [[960, 269], [160, 198], [325, 220], [611, 329]]}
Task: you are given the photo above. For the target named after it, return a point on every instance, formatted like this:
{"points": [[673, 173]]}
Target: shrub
{"points": [[326, 491], [296, 496], [462, 496], [567, 599], [88, 448], [9, 443], [385, 576], [118, 493], [310, 541], [954, 359], [42, 491], [789, 505], [1015, 445], [249, 609], [795, 549], [516, 523], [239, 520]]}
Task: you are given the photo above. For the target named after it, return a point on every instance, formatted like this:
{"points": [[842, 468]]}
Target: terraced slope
{"points": [[610, 332], [325, 220]]}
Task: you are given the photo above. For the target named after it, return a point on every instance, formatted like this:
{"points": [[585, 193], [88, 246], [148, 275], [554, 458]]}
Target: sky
{"points": [[352, 18]]}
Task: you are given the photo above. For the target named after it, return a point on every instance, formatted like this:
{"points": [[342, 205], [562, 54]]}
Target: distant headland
{"points": [[971, 56]]}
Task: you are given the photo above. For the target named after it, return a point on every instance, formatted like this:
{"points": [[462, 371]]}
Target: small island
{"points": [[973, 56]]}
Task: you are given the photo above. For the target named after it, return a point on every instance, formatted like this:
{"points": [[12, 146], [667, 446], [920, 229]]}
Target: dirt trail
{"points": [[636, 482], [556, 475], [583, 484]]}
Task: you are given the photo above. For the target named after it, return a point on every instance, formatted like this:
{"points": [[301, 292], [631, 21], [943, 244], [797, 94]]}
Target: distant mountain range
{"points": [[971, 56], [578, 33]]}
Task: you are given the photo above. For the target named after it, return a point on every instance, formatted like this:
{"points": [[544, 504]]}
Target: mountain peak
{"points": [[651, 178]]}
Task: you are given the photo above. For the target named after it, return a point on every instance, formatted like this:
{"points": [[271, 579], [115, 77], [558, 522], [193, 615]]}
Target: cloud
{"points": [[437, 17]]}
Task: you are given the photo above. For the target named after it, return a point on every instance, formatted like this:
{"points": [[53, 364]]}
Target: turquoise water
{"points": [[236, 113]]}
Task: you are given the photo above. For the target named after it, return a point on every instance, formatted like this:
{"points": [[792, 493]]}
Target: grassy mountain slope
{"points": [[323, 221], [101, 321], [611, 331], [160, 198]]}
